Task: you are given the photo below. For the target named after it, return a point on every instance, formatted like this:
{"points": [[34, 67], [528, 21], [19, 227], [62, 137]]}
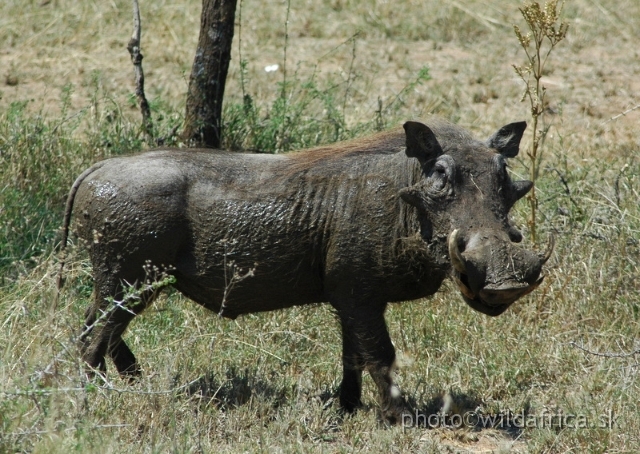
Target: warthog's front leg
{"points": [[366, 344]]}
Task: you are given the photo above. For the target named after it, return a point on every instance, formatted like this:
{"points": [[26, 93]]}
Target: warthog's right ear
{"points": [[507, 140], [421, 143]]}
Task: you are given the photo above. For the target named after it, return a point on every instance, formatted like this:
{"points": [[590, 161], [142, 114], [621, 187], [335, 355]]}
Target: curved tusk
{"points": [[454, 252], [550, 245]]}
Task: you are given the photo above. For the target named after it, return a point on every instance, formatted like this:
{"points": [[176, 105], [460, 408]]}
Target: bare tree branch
{"points": [[136, 58]]}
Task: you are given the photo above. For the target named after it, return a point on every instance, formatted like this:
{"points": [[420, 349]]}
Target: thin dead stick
{"points": [[615, 20], [605, 354], [487, 21], [67, 430], [136, 58], [622, 114]]}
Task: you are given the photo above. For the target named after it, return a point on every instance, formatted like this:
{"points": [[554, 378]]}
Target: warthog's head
{"points": [[465, 193]]}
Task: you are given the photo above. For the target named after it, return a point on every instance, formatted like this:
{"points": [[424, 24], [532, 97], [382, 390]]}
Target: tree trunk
{"points": [[203, 118]]}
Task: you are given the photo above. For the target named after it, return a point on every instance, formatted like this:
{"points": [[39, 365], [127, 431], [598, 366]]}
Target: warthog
{"points": [[358, 224]]}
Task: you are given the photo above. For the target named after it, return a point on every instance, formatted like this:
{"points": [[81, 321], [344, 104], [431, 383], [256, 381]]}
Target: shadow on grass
{"points": [[452, 410], [235, 389], [460, 410]]}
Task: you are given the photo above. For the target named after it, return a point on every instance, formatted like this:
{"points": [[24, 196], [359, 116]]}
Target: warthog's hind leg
{"points": [[105, 322]]}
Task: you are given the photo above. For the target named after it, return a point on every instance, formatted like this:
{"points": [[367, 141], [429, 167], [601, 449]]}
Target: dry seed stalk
{"points": [[544, 25]]}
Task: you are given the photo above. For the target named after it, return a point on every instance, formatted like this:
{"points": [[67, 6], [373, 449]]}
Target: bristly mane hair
{"points": [[386, 142]]}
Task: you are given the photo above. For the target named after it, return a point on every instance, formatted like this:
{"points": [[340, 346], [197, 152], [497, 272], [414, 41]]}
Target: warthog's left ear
{"points": [[421, 143], [507, 139]]}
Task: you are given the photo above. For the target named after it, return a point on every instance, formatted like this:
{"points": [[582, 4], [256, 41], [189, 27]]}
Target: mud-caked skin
{"points": [[358, 224]]}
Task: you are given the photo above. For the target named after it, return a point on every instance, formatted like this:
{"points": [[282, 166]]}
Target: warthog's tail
{"points": [[67, 221]]}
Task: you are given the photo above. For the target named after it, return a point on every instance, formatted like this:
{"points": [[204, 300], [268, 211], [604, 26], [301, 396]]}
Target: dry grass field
{"points": [[562, 366]]}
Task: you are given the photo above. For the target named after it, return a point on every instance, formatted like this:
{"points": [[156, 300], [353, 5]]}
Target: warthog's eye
{"points": [[439, 177]]}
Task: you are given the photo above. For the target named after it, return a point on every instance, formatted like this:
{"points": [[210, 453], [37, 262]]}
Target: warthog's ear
{"points": [[421, 143], [507, 139]]}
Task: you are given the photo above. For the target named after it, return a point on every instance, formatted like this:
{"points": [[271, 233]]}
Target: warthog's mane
{"points": [[386, 142], [382, 143]]}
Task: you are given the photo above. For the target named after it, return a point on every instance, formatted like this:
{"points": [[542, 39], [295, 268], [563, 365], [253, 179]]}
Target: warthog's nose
{"points": [[491, 272]]}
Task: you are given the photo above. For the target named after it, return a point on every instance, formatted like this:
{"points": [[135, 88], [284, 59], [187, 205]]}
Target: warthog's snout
{"points": [[492, 273]]}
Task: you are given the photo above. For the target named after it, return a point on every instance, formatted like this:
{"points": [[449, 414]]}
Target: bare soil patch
{"points": [[592, 77]]}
